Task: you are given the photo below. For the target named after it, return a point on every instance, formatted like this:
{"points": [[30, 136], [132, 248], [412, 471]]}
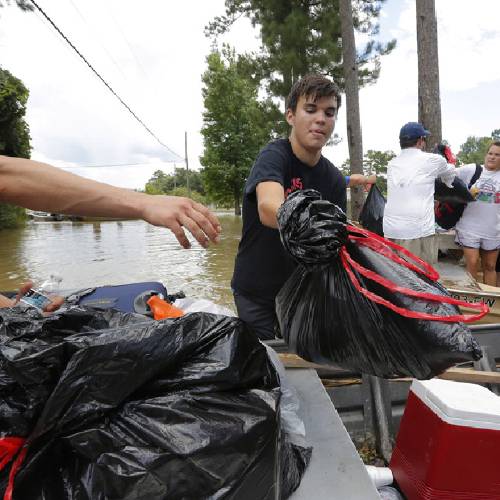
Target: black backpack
{"points": [[448, 213]]}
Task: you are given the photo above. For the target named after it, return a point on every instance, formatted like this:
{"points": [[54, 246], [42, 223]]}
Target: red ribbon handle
{"points": [[9, 447], [383, 246]]}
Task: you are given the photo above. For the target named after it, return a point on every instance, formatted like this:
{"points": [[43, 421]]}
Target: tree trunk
{"points": [[237, 206], [429, 102], [350, 68]]}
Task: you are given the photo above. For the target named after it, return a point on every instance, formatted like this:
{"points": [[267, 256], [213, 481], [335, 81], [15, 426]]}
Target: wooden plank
{"points": [[294, 361], [468, 375], [457, 374]]}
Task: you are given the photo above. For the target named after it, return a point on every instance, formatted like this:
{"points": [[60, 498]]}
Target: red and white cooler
{"points": [[448, 444]]}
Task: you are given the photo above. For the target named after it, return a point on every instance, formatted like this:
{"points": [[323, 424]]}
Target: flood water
{"points": [[88, 254]]}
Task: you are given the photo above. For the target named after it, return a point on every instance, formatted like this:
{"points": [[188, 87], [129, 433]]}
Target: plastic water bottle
{"points": [[52, 285], [40, 296], [390, 493]]}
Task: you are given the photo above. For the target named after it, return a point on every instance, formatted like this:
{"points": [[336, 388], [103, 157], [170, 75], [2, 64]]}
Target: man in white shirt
{"points": [[409, 213]]}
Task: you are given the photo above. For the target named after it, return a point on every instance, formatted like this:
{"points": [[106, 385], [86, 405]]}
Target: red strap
{"points": [[379, 244], [9, 446], [376, 242], [383, 249]]}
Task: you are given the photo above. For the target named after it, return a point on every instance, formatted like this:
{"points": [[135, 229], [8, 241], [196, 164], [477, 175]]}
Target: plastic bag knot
{"points": [[312, 230]]}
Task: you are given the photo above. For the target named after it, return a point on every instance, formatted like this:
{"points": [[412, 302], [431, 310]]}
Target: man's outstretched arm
{"points": [[39, 186]]}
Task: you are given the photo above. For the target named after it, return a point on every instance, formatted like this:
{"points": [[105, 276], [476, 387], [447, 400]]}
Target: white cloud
{"points": [[469, 40]]}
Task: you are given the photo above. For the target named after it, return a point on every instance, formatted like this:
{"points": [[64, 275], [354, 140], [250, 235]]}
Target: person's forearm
{"points": [[39, 186], [268, 212], [361, 180], [356, 180], [448, 175]]}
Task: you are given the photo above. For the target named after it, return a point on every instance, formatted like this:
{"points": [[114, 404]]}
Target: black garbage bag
{"points": [[111, 405], [458, 193], [294, 450], [295, 453], [371, 216], [449, 209], [325, 318]]}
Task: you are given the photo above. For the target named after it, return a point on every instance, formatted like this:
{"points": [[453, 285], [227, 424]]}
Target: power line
{"points": [[102, 79], [114, 165]]}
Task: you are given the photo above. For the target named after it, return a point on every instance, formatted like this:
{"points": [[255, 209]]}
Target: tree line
{"points": [[14, 135]]}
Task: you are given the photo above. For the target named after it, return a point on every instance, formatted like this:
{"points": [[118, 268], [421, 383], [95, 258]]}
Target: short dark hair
{"points": [[409, 143], [312, 85], [494, 143]]}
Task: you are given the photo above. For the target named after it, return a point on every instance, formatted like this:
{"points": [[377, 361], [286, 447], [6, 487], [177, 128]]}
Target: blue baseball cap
{"points": [[413, 130]]}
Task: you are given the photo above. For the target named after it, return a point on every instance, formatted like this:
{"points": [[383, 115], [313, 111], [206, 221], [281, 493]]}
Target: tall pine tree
{"points": [[303, 36]]}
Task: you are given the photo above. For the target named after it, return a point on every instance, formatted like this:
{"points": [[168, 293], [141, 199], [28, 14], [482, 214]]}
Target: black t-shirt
{"points": [[262, 264]]}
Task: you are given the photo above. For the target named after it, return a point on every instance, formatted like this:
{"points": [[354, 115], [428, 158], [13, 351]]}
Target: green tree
{"points": [[183, 191], [162, 183], [474, 149], [303, 36], [375, 162], [195, 180], [159, 183], [25, 5], [235, 125], [14, 134], [14, 131]]}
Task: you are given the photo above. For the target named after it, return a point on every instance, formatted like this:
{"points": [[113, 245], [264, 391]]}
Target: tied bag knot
{"points": [[312, 230]]}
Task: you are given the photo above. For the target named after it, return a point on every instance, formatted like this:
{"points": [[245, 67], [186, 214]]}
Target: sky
{"points": [[153, 53]]}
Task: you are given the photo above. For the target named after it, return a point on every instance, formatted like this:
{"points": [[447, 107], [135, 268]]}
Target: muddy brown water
{"points": [[89, 254]]}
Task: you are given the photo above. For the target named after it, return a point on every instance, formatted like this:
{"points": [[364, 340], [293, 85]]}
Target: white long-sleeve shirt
{"points": [[409, 212]]}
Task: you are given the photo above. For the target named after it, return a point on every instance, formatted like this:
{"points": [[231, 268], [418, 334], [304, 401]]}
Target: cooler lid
{"points": [[459, 403]]}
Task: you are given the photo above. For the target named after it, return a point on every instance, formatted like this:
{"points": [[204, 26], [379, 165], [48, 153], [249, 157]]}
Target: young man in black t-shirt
{"points": [[262, 265]]}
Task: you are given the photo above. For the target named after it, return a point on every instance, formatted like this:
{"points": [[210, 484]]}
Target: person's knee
{"points": [[489, 266], [472, 258]]}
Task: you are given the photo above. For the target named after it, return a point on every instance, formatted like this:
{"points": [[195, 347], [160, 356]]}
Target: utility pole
{"points": [[187, 163]]}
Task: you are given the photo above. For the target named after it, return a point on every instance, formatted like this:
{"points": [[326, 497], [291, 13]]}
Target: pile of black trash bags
{"points": [[101, 405], [325, 319]]}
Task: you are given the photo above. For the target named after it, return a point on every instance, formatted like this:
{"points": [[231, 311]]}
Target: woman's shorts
{"points": [[476, 242]]}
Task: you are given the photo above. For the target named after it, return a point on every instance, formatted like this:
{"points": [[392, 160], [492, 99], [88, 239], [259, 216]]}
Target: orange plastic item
{"points": [[163, 309]]}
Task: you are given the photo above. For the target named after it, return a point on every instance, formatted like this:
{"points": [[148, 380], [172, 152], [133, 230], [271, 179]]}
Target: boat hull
{"points": [[491, 299]]}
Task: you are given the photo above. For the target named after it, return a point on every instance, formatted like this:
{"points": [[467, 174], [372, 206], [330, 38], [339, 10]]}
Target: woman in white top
{"points": [[478, 230]]}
